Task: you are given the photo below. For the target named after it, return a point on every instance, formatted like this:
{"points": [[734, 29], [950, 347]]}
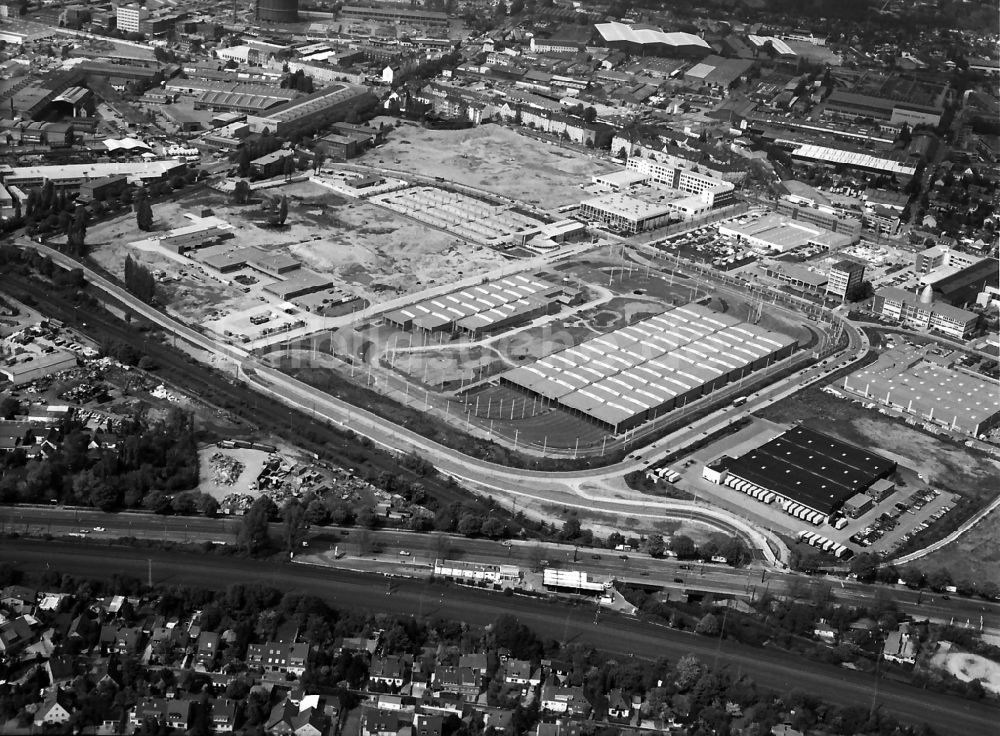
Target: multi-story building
{"points": [[825, 217], [921, 313], [714, 192], [130, 16], [843, 278]]}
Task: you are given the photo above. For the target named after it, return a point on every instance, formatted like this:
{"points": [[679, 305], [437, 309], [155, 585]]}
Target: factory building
{"points": [[74, 175], [312, 112], [811, 474], [298, 283], [20, 371], [923, 313], [635, 374], [928, 391], [961, 283]]}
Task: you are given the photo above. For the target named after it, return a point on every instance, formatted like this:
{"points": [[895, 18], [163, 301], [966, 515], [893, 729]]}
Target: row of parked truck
{"points": [[826, 545]]}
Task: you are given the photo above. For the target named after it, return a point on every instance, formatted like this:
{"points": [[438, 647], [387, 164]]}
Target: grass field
{"points": [[973, 556], [493, 158]]}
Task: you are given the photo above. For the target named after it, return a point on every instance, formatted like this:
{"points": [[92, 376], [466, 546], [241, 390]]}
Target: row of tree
{"points": [[139, 280]]}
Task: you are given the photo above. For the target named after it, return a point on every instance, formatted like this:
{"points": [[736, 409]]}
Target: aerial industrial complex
{"points": [[632, 375]]}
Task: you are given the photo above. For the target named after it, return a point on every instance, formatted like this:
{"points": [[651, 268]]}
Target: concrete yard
{"points": [[493, 158]]}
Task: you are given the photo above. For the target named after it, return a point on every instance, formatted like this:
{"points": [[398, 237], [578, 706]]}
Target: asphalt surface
{"points": [[638, 569], [612, 633]]}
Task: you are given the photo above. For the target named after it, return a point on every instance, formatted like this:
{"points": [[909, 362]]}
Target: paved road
{"points": [[639, 569], [771, 669]]}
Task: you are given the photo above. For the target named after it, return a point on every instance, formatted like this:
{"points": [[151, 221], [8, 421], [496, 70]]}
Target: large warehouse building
{"points": [[485, 309], [642, 40], [312, 112], [958, 401], [809, 473], [629, 376]]}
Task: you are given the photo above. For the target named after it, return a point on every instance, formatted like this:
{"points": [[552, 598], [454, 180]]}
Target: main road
{"points": [[772, 669]]}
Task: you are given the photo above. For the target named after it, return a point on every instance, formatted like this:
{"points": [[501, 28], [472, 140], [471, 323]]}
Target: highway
{"points": [[772, 669], [638, 569]]}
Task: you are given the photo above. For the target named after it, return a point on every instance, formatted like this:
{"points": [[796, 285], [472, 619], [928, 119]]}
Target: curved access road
{"points": [[772, 669]]}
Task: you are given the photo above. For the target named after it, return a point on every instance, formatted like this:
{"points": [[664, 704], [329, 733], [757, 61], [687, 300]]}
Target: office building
{"points": [[843, 278], [922, 313]]}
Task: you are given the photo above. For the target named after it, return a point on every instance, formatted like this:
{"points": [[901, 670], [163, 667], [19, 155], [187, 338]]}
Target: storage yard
{"points": [[472, 219], [331, 251]]}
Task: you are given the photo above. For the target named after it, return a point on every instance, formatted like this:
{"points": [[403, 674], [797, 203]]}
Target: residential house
{"points": [[60, 669], [18, 599], [459, 680], [824, 631], [560, 728], [557, 669], [127, 640], [427, 725], [284, 657], [392, 671], [379, 723], [208, 649], [55, 710], [562, 699], [519, 672], [478, 663], [15, 635], [358, 644], [223, 715], [619, 707]]}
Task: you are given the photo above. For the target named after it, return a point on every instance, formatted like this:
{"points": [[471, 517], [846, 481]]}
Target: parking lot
{"points": [[705, 245], [898, 518]]}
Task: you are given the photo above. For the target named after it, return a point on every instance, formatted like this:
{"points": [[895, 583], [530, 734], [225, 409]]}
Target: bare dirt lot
{"points": [[494, 158], [369, 251]]}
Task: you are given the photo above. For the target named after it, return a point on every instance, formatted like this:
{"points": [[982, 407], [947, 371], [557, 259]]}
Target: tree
{"points": [[144, 215], [684, 547], [571, 529], [590, 115], [708, 625], [493, 528], [293, 525], [655, 545], [9, 406], [939, 579], [317, 162], [139, 280], [470, 524], [241, 192], [243, 160], [252, 536], [500, 11], [288, 167], [865, 565]]}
